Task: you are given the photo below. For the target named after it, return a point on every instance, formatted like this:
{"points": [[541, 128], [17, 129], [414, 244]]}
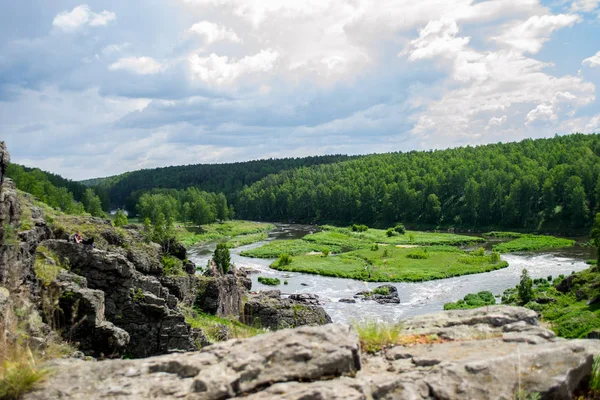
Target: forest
{"points": [[126, 189], [544, 184], [533, 184]]}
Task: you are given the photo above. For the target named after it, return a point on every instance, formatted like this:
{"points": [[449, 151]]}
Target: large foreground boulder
{"points": [[269, 310], [325, 363]]}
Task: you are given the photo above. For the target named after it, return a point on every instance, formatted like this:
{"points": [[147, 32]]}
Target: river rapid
{"points": [[416, 298]]}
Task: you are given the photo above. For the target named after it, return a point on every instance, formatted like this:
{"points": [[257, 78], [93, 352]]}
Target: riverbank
{"points": [[527, 242]]}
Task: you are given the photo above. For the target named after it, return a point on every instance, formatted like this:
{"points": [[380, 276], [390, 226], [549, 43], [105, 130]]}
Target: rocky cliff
{"points": [[491, 353]]}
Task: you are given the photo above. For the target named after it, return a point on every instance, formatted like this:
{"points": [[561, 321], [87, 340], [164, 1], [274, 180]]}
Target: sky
{"points": [[99, 88]]}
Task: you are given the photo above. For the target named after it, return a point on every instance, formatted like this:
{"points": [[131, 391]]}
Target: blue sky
{"points": [[98, 88]]}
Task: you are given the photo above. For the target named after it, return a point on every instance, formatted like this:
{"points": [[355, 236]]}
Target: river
{"points": [[416, 298]]}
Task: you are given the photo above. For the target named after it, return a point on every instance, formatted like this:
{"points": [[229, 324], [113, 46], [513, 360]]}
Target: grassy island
{"points": [[339, 240], [526, 242], [393, 264]]}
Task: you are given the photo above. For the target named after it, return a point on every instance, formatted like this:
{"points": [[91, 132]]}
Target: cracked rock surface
{"points": [[489, 353]]}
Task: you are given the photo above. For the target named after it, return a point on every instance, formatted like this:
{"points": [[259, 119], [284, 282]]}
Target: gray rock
{"points": [[306, 298], [134, 302], [220, 294], [268, 310], [352, 301], [391, 298], [220, 371]]}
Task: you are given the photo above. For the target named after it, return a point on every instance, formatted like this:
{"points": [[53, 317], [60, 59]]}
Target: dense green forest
{"points": [[126, 189], [68, 196], [534, 184]]}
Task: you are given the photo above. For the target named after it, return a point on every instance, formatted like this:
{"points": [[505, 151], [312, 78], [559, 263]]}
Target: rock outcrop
{"points": [[269, 310], [134, 302], [499, 361], [385, 294], [222, 294]]}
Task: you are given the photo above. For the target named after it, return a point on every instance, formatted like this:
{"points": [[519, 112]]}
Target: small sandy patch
{"points": [[407, 246], [314, 253], [383, 244]]}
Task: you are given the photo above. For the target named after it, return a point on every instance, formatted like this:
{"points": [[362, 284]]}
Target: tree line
{"points": [[126, 189], [161, 206], [56, 191], [533, 184]]}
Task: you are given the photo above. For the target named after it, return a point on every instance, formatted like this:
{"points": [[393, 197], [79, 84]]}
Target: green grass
{"points": [[190, 235], [243, 240], [533, 242], [173, 266], [472, 300], [347, 239], [295, 247], [375, 336], [269, 281], [496, 234], [47, 266], [396, 266], [211, 325]]}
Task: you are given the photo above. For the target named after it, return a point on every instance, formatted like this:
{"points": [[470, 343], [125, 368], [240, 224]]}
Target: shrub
{"points": [[374, 247], [418, 255], [390, 232], [495, 257], [359, 228], [400, 229], [269, 281], [172, 266], [120, 218], [411, 237], [284, 259], [472, 300], [384, 291], [549, 278], [479, 252], [285, 282], [325, 252]]}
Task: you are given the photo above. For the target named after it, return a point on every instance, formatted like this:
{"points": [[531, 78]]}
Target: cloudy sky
{"points": [[98, 88]]}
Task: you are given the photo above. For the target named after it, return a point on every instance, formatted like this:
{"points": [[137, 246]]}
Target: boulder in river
{"points": [[385, 294]]}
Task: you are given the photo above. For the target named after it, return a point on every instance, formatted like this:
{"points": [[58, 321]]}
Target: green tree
{"points": [[120, 218], [595, 235], [92, 203], [525, 287], [222, 258]]}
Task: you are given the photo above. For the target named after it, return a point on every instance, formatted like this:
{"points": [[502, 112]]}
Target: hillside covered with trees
{"points": [[126, 189], [532, 184]]}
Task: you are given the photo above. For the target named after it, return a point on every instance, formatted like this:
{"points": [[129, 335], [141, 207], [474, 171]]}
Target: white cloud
{"points": [[115, 48], [69, 21], [138, 65], [593, 61], [530, 36], [213, 33], [541, 112], [584, 5], [497, 120], [219, 70], [438, 38]]}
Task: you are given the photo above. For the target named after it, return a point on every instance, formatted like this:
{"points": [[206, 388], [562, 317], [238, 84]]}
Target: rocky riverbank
{"points": [[494, 353]]}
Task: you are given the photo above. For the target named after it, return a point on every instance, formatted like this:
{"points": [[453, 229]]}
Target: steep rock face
{"points": [[268, 310], [325, 363], [80, 314], [134, 302], [222, 294]]}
